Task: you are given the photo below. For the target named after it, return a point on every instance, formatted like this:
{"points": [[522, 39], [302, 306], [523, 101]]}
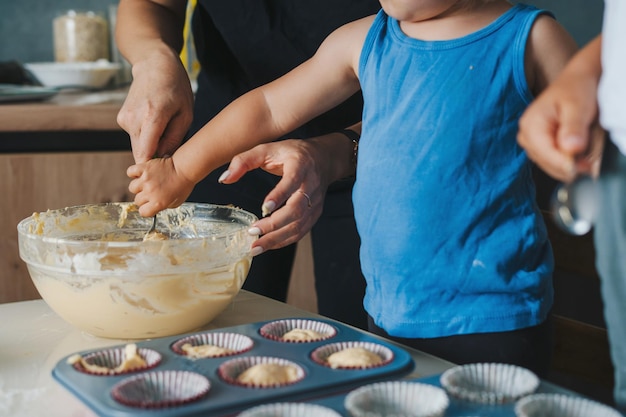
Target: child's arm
{"points": [[263, 114], [549, 48]]}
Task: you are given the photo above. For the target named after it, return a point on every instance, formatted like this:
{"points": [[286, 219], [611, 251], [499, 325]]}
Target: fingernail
{"points": [[257, 250], [254, 231], [224, 175], [267, 208]]}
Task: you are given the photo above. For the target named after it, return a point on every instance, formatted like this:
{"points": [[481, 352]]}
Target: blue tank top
{"points": [[452, 238]]}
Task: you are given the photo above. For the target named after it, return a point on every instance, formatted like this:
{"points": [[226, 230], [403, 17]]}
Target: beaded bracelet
{"points": [[354, 137]]}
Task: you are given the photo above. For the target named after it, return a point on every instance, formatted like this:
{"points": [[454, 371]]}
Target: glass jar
{"points": [[80, 36]]}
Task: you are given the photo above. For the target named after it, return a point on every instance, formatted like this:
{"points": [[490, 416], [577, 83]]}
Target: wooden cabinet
{"points": [[32, 182], [65, 151]]}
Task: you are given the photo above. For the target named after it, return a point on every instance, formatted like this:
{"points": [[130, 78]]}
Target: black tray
{"points": [[227, 399]]}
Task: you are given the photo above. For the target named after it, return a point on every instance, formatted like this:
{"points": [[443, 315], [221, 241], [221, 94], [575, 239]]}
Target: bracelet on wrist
{"points": [[354, 137]]}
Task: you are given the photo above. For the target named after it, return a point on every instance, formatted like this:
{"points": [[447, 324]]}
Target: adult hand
{"points": [[560, 129], [297, 201], [159, 107]]}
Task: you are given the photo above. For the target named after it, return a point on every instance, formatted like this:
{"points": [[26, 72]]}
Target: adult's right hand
{"points": [[560, 130], [159, 107]]}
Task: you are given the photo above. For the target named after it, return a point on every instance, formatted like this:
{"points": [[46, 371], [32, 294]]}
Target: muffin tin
{"points": [[99, 392], [489, 383], [456, 407]]}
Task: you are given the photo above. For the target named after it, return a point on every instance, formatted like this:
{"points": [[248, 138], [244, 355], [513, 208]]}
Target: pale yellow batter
{"points": [[126, 208], [302, 335], [155, 236], [355, 357], [268, 374], [132, 360], [159, 306], [204, 351]]}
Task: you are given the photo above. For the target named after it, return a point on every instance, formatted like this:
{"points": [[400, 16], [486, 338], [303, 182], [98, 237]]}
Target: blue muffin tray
{"points": [[457, 408], [226, 399]]}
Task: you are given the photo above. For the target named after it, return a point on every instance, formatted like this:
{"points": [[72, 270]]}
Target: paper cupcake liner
{"points": [[230, 371], [236, 343], [161, 389], [289, 410], [321, 354], [489, 383], [561, 405], [398, 399], [112, 358], [276, 330]]}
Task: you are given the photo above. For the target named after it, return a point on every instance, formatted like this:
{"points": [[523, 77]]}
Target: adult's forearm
{"points": [[587, 60], [146, 26]]}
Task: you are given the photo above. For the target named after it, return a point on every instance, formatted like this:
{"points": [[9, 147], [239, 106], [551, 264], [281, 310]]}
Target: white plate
{"points": [[84, 74]]}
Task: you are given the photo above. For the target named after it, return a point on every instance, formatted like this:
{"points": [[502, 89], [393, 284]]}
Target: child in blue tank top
{"points": [[454, 250]]}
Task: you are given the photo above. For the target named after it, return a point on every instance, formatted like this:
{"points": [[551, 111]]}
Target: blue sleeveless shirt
{"points": [[452, 238]]}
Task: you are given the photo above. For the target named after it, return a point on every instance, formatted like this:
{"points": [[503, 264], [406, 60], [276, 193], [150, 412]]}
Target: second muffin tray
{"points": [[457, 407], [224, 398]]}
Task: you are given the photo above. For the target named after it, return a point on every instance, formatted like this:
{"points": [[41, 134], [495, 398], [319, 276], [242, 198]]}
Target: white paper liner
{"points": [[289, 410], [112, 358], [321, 354], [561, 405], [161, 389], [398, 399], [276, 329], [489, 383], [237, 343], [231, 369]]}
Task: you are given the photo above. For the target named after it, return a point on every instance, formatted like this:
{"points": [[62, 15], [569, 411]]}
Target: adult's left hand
{"points": [[294, 205]]}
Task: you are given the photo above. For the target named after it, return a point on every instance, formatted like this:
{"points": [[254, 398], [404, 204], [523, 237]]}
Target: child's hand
{"points": [[157, 185]]}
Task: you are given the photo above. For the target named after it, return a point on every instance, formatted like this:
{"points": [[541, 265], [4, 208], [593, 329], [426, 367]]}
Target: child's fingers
{"points": [[134, 171]]}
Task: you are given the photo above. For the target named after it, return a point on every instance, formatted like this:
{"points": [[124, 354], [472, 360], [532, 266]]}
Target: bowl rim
{"points": [[23, 232]]}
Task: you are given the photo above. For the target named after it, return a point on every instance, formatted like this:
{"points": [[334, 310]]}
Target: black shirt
{"points": [[243, 44]]}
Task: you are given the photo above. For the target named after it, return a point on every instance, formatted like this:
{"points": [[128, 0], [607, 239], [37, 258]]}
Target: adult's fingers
{"points": [[538, 130], [247, 161], [575, 123], [285, 159], [146, 143], [173, 135], [288, 224]]}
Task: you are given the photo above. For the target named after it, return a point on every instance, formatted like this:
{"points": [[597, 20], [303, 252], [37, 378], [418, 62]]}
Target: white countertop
{"points": [[33, 339]]}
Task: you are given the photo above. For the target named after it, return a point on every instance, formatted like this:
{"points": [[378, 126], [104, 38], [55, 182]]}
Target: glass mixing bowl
{"points": [[95, 269]]}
